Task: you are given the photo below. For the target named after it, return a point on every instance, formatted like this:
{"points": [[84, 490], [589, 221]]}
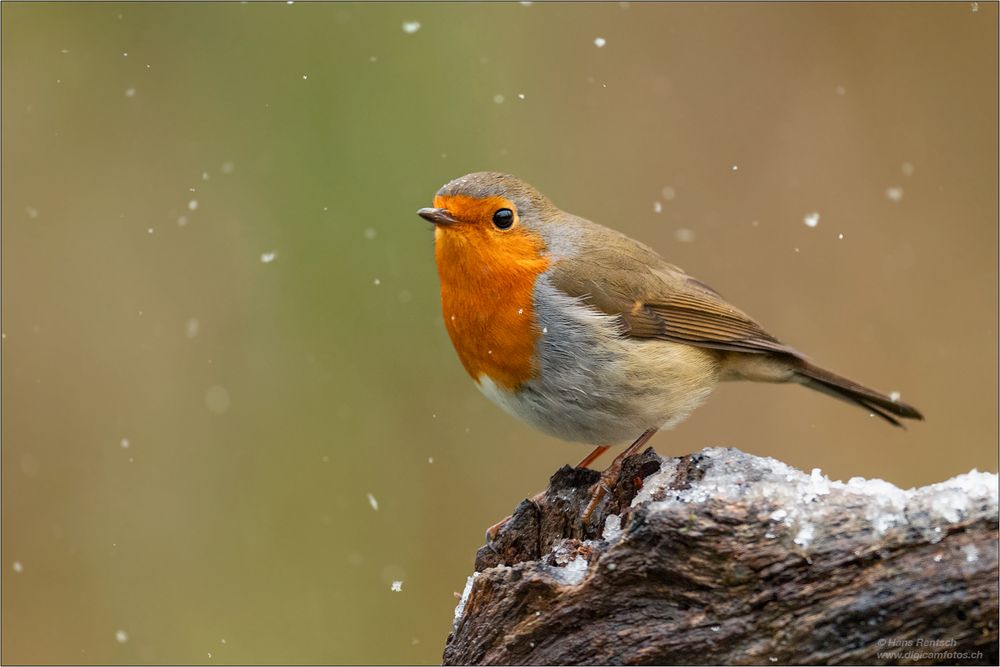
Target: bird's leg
{"points": [[593, 456], [492, 531], [610, 476]]}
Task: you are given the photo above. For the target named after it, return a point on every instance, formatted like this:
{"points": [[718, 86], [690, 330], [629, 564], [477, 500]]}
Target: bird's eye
{"points": [[503, 218]]}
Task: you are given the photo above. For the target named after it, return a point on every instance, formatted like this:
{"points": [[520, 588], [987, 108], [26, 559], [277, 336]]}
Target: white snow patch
{"points": [[818, 485], [612, 527], [807, 532], [971, 553], [799, 501], [655, 483], [460, 607], [575, 570]]}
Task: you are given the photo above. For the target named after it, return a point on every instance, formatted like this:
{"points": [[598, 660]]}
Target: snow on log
{"points": [[727, 558]]}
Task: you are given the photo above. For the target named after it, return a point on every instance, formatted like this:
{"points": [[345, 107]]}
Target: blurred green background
{"points": [[191, 432]]}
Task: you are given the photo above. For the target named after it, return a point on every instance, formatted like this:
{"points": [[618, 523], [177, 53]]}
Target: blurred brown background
{"points": [[155, 156]]}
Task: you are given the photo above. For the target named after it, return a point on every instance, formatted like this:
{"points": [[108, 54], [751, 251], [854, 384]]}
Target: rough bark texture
{"points": [[722, 557]]}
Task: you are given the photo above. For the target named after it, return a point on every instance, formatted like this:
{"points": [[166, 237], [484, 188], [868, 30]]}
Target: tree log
{"points": [[726, 558]]}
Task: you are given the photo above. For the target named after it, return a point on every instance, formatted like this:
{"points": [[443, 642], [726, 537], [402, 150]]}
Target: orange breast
{"points": [[487, 280]]}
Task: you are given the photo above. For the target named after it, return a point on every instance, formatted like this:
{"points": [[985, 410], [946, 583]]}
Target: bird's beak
{"points": [[439, 216]]}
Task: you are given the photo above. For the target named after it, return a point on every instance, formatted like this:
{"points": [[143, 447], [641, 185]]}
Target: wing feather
{"points": [[655, 299]]}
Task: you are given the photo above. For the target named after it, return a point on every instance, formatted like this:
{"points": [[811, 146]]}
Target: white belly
{"points": [[599, 387]]}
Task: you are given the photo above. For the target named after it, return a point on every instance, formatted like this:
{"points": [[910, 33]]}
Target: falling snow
{"points": [[130, 92], [18, 567], [268, 257], [811, 219], [410, 27], [498, 98], [373, 502], [684, 235], [125, 444], [895, 193], [193, 205], [121, 636], [600, 42], [397, 586], [217, 400]]}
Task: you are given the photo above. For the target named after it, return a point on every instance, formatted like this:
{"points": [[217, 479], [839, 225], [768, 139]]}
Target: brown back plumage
{"points": [[654, 299]]}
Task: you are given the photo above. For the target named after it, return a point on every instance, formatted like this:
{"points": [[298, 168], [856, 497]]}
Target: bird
{"points": [[589, 335]]}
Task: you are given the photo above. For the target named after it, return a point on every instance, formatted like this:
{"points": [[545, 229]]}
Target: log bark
{"points": [[721, 557]]}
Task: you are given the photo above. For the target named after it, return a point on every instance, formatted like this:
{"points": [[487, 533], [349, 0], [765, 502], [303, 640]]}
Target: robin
{"points": [[589, 335]]}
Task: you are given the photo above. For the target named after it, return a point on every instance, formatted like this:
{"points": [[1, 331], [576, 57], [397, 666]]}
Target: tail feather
{"points": [[841, 388]]}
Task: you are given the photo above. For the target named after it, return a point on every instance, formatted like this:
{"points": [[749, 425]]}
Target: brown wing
{"points": [[654, 299]]}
